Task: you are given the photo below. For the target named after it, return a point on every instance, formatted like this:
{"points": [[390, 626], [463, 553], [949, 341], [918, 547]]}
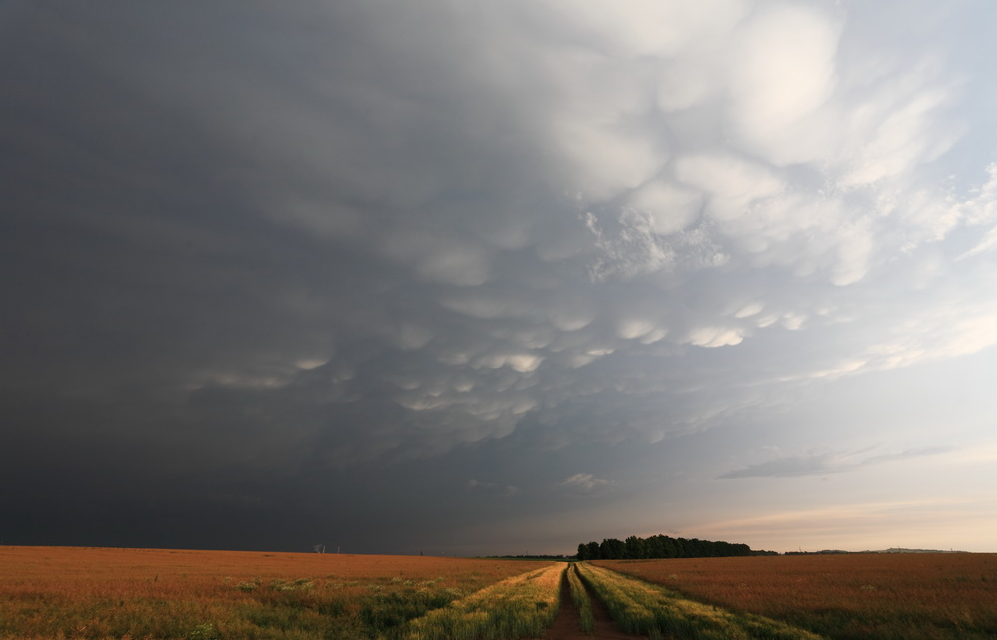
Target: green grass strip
{"points": [[581, 599], [520, 607], [642, 608]]}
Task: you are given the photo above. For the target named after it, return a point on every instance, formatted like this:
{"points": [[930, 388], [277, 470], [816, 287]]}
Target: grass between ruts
{"points": [[520, 607], [639, 607], [581, 599]]}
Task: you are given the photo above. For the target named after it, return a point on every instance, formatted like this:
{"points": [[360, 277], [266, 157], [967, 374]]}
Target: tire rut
{"points": [[566, 625]]}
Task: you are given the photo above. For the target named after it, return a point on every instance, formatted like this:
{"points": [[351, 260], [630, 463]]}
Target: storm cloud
{"points": [[481, 268]]}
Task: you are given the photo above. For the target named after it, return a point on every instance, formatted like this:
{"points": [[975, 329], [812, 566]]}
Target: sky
{"points": [[498, 277]]}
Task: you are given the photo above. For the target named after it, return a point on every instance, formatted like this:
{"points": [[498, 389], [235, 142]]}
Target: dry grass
{"points": [[646, 609], [848, 597], [519, 607], [58, 592]]}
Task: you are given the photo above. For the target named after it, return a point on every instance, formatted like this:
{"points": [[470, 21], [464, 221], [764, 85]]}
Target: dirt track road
{"points": [[566, 625]]}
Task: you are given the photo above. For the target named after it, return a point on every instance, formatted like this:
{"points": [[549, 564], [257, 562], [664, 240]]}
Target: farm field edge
{"points": [[848, 596]]}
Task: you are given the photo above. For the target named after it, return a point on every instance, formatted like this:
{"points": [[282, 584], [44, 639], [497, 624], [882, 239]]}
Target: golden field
{"points": [[99, 593], [59, 593], [932, 596]]}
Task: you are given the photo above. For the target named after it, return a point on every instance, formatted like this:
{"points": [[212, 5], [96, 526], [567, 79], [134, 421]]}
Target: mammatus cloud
{"points": [[557, 219]]}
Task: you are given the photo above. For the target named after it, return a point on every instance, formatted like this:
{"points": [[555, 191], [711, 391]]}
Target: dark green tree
{"points": [[660, 546], [612, 549], [634, 547]]}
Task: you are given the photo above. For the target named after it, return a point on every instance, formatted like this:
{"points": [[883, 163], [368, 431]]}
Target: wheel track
{"points": [[566, 625]]}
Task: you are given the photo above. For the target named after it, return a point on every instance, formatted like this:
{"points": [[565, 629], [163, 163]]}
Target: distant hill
{"points": [[902, 550], [891, 550]]}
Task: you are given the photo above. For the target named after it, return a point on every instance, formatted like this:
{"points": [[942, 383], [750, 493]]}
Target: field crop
{"points": [[643, 608], [586, 620], [519, 607], [97, 594], [845, 597]]}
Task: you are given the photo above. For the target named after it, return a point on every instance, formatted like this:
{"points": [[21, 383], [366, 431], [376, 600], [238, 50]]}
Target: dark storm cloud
{"points": [[327, 261]]}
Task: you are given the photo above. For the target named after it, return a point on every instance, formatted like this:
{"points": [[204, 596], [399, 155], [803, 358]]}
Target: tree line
{"points": [[660, 546]]}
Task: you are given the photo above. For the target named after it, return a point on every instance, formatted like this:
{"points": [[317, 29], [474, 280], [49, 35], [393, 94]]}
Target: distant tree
{"points": [[679, 544], [653, 547], [692, 548], [612, 549], [669, 550], [634, 547], [661, 546], [594, 550]]}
